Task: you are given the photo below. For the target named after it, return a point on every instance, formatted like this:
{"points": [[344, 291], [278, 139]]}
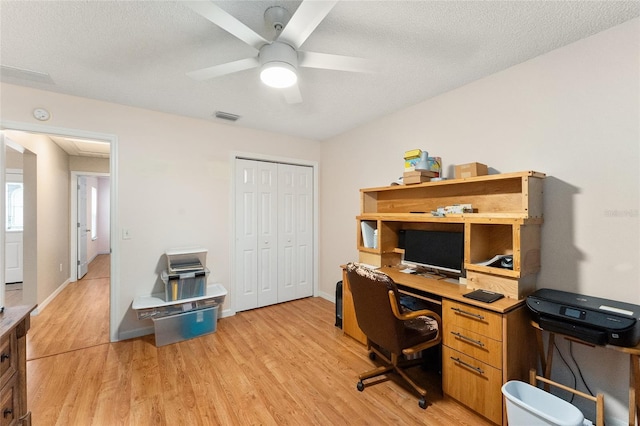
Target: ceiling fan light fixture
{"points": [[279, 75]]}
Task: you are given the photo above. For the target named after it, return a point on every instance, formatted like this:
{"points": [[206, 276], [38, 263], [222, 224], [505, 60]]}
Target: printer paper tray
{"points": [[590, 335]]}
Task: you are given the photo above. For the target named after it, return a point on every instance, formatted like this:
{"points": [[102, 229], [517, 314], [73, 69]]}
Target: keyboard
{"points": [[368, 266]]}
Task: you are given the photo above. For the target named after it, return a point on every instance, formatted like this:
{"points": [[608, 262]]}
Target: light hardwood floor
{"points": [[285, 364], [77, 318]]}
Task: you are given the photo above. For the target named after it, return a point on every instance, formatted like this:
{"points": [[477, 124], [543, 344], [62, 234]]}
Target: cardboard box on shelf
{"points": [[470, 170], [418, 176]]}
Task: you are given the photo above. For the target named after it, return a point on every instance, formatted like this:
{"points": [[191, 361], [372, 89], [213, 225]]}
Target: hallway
{"points": [[77, 318]]}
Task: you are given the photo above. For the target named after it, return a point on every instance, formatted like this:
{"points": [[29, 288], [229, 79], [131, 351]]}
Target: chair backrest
{"points": [[370, 292]]}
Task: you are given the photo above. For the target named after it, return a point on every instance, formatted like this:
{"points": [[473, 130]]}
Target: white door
{"points": [[82, 233], [295, 232], [14, 227], [256, 234], [274, 233]]}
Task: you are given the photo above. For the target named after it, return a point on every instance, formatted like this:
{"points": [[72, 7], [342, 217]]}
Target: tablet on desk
{"points": [[484, 296]]}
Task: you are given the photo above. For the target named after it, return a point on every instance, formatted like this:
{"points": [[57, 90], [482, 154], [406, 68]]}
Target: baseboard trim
{"points": [[137, 332], [49, 299], [330, 297]]}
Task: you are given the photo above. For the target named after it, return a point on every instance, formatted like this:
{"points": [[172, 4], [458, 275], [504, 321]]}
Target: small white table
{"points": [[155, 305]]}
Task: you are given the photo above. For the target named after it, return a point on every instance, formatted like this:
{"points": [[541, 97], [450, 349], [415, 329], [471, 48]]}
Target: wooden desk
{"points": [[484, 345], [448, 290], [634, 365]]}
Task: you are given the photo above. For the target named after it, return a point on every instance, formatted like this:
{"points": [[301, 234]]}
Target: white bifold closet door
{"points": [[274, 233], [295, 232]]}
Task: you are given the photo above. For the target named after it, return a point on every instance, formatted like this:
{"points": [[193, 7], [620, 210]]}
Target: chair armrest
{"points": [[411, 314]]}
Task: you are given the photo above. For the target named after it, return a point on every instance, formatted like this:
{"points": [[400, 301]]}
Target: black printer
{"points": [[592, 319]]}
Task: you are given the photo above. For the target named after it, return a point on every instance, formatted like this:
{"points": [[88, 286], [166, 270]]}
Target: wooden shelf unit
{"points": [[506, 220]]}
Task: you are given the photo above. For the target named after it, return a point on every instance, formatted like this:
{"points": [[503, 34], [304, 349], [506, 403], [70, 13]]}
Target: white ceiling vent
{"points": [[227, 116], [23, 74]]}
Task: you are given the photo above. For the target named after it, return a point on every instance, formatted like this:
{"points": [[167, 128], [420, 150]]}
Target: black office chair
{"points": [[388, 327]]}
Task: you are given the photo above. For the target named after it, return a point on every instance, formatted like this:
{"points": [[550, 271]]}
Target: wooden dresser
{"points": [[14, 324]]}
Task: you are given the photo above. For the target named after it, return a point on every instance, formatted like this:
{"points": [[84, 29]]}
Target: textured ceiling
{"points": [[137, 53]]}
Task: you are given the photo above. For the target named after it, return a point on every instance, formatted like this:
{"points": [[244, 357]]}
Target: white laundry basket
{"points": [[530, 406]]}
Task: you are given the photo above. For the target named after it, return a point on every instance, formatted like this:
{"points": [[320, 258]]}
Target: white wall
{"points": [[174, 183], [88, 164], [13, 159], [104, 222], [573, 114], [51, 235]]}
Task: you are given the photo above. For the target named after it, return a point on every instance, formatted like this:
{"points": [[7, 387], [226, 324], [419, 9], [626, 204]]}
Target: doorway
{"points": [[90, 213], [19, 262], [111, 140], [14, 225]]}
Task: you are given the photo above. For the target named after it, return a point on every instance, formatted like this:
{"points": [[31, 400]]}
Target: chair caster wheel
{"points": [[360, 386], [422, 403], [372, 356]]}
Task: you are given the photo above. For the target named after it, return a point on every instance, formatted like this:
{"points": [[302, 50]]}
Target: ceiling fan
{"points": [[278, 59]]}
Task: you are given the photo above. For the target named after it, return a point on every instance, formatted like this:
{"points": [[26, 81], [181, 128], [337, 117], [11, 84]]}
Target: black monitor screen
{"points": [[435, 249]]}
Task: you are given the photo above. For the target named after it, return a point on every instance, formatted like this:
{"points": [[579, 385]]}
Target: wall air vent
{"points": [[227, 116]]}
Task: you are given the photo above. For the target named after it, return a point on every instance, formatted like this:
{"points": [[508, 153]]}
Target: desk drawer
{"points": [[9, 405], [475, 345], [472, 318], [8, 356], [473, 383]]}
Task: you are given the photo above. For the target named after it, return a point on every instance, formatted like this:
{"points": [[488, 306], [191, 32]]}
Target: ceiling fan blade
{"points": [[292, 94], [334, 62], [309, 14], [223, 69], [227, 22]]}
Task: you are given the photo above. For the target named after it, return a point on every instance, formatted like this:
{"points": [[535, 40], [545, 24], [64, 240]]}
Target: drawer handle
{"points": [[471, 314], [3, 357], [7, 412], [468, 339], [458, 360]]}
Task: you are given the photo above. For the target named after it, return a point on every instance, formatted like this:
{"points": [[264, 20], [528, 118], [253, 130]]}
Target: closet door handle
{"points": [[468, 339], [4, 356], [7, 412]]}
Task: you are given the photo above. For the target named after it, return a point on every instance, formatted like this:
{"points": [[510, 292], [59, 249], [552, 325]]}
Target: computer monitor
{"points": [[441, 251]]}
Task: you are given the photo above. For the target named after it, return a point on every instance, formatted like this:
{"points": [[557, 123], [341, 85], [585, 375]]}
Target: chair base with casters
{"points": [[393, 333], [395, 364]]}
